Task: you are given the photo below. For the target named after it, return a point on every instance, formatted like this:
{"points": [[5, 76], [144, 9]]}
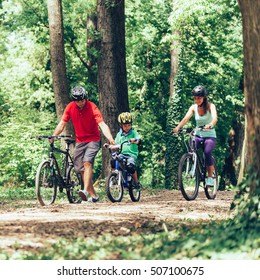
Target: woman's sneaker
{"points": [[83, 194], [93, 199], [209, 181]]}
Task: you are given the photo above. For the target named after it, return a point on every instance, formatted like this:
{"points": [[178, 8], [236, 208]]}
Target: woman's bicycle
{"points": [[120, 179], [192, 169], [50, 176]]}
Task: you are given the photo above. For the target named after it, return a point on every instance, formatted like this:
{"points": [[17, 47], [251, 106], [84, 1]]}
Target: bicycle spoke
{"points": [[46, 188], [114, 189], [134, 192], [74, 185], [188, 178]]}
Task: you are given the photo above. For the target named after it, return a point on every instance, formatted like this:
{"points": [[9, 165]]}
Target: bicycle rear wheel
{"points": [[134, 192], [114, 188], [45, 182], [188, 176], [211, 191], [74, 185]]}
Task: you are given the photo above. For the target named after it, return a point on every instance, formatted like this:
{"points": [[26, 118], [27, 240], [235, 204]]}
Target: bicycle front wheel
{"points": [[188, 176], [73, 186], [211, 191], [114, 188], [45, 182]]}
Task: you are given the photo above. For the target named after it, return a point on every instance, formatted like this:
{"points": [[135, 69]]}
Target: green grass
{"points": [[13, 193], [207, 241]]}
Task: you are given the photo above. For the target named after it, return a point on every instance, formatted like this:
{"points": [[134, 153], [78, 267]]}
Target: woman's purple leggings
{"points": [[209, 145]]}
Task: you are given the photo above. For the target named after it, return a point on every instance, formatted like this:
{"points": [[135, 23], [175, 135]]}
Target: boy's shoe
{"points": [[209, 181], [83, 194], [93, 199], [138, 186]]}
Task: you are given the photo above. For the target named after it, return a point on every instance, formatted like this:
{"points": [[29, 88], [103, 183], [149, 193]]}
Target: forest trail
{"points": [[33, 225]]}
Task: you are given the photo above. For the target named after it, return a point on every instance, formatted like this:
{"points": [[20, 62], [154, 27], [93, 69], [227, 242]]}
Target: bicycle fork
{"points": [[190, 170]]}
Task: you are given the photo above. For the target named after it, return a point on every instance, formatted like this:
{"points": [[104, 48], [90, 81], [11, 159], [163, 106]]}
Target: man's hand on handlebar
{"points": [[51, 140]]}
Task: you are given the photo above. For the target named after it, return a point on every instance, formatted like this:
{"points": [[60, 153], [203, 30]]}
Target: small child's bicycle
{"points": [[120, 179]]}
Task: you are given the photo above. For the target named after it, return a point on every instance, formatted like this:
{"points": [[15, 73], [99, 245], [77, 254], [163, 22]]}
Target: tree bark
{"points": [[58, 65], [175, 50], [112, 80], [250, 10]]}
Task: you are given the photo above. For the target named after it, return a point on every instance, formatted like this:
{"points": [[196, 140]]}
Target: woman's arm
{"points": [[213, 112], [185, 119]]}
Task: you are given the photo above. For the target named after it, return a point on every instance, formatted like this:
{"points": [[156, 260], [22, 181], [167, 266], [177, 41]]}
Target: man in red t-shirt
{"points": [[86, 119]]}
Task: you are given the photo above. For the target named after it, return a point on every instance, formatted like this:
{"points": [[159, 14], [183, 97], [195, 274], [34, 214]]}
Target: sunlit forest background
{"points": [[209, 36], [171, 47]]}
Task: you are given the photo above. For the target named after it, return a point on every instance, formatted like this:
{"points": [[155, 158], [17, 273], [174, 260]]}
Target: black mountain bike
{"points": [[192, 169], [50, 176], [120, 179]]}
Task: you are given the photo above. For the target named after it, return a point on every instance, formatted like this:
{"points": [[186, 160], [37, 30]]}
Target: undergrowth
{"points": [[207, 241]]}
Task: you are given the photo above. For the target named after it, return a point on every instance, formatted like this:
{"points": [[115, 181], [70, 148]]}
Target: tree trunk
{"points": [[58, 66], [112, 81], [250, 10], [175, 51], [92, 46], [243, 157]]}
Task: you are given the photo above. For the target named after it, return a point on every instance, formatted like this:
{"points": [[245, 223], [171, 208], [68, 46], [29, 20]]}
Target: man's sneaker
{"points": [[93, 199], [138, 186], [83, 194], [209, 181]]}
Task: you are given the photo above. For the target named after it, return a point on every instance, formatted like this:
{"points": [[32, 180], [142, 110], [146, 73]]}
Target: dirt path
{"points": [[35, 225]]}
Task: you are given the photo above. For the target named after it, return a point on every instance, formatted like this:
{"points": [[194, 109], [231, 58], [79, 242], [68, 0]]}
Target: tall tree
{"points": [[173, 144], [112, 80], [57, 52], [250, 10]]}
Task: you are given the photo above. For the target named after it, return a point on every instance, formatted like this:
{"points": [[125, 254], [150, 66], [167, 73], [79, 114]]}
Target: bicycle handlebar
{"points": [[118, 146], [39, 137], [192, 130]]}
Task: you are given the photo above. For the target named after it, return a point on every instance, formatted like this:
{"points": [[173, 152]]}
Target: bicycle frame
{"points": [[198, 161], [122, 171], [50, 175], [67, 162]]}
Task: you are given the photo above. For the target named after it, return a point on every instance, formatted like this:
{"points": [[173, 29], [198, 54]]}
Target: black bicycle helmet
{"points": [[199, 91], [125, 118], [78, 93]]}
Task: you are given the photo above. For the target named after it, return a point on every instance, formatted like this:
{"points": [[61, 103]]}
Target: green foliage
{"points": [[151, 157], [11, 194], [21, 155], [174, 149], [148, 71], [211, 55], [215, 47], [26, 97], [81, 58], [206, 241], [247, 202]]}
